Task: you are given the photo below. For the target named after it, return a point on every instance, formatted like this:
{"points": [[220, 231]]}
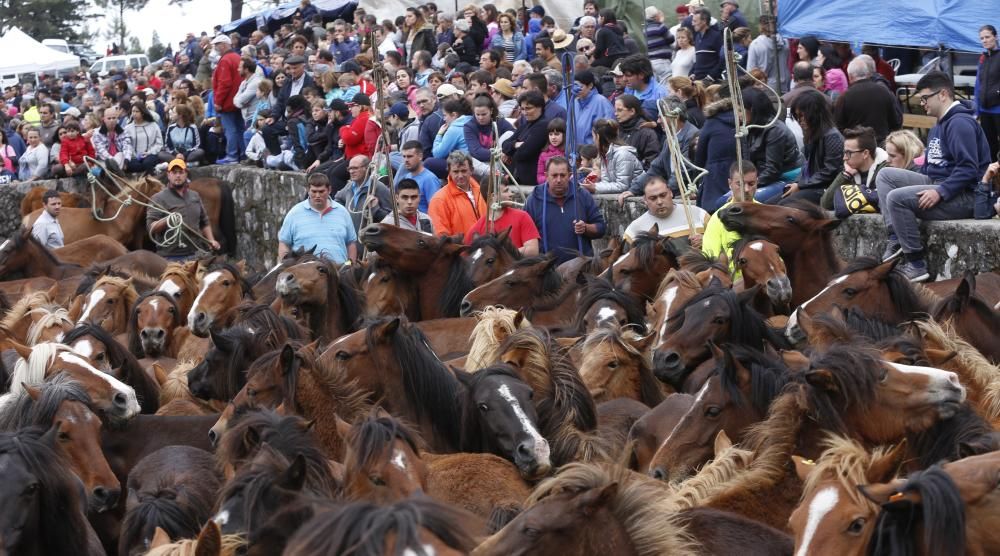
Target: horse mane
{"points": [[60, 504], [231, 545], [747, 327], [484, 339], [26, 238], [854, 371], [649, 387], [873, 328], [909, 300], [351, 401], [642, 506], [943, 518], [245, 288], [965, 434], [261, 320], [685, 277], [31, 371], [363, 529], [132, 334], [23, 306], [160, 509], [147, 390], [255, 481], [51, 315], [129, 292], [697, 261], [598, 289], [176, 385], [768, 376], [712, 478], [976, 367], [952, 304], [94, 273], [457, 283], [27, 412], [428, 385], [644, 244], [815, 212], [552, 281], [370, 437], [847, 462], [492, 241], [290, 436]]}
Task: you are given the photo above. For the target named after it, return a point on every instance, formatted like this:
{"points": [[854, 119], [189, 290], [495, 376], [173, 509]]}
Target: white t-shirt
{"points": [[675, 225]]}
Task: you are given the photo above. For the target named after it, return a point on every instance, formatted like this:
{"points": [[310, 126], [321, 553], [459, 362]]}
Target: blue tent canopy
{"points": [[920, 23], [329, 9]]}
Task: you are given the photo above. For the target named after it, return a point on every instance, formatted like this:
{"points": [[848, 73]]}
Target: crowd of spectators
{"points": [[460, 89]]}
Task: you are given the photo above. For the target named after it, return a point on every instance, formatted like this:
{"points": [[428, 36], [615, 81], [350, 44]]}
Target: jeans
{"points": [[232, 127], [763, 194], [897, 197]]}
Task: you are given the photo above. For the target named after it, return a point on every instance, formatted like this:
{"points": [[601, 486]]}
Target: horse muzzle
{"points": [[152, 340], [779, 290], [669, 368], [532, 458], [102, 499], [287, 285], [200, 323], [732, 217], [466, 308]]}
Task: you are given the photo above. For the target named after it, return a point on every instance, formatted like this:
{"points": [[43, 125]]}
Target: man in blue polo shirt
{"points": [[413, 168], [319, 222]]}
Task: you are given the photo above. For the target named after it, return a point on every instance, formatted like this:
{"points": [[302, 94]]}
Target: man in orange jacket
{"points": [[457, 206]]}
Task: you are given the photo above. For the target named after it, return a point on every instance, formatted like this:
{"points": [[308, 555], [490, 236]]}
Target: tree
{"points": [[44, 19], [117, 32], [156, 48], [121, 6], [133, 46]]}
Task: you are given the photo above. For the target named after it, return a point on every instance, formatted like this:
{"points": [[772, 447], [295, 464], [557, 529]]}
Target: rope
{"points": [[679, 162], [569, 78]]}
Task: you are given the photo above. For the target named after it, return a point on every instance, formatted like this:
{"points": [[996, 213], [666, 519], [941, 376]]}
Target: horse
{"points": [[971, 317], [493, 325], [738, 393], [414, 526], [759, 261], [532, 286], [833, 514], [114, 400], [106, 304], [383, 462], [180, 282], [650, 430], [154, 324], [222, 290], [32, 200], [44, 501], [173, 490], [640, 271], [209, 542], [36, 318], [872, 286], [717, 314], [109, 356], [387, 292], [947, 509], [800, 229], [435, 264], [329, 305], [490, 256], [63, 405], [587, 509], [23, 253], [676, 289], [616, 364], [601, 304]]}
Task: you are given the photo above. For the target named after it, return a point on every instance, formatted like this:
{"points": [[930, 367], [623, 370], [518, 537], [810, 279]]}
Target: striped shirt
{"points": [[330, 232]]}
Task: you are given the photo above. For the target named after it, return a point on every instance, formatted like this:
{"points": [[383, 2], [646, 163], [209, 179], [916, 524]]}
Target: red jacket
{"points": [[360, 136], [75, 149], [226, 81]]}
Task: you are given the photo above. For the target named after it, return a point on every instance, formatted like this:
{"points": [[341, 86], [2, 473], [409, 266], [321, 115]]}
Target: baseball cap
{"points": [[220, 38], [617, 70], [338, 105], [72, 111], [447, 90], [400, 110], [651, 12], [360, 99], [177, 163]]}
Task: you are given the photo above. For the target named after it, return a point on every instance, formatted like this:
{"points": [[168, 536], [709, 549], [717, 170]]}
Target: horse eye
{"points": [[421, 243], [172, 310], [101, 356], [850, 292], [483, 407], [343, 355], [510, 283], [177, 295], [713, 411], [30, 489], [613, 365], [884, 376], [110, 301], [791, 219], [490, 261], [251, 392], [384, 279], [377, 481], [227, 283], [741, 261], [718, 320], [857, 526], [530, 533], [322, 270], [63, 437]]}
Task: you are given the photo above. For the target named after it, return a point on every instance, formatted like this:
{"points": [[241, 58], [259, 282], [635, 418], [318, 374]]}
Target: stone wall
{"points": [[263, 197]]}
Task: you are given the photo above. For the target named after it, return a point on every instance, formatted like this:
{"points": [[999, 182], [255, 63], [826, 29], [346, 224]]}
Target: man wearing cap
{"points": [[732, 18], [502, 92], [179, 198], [362, 134], [225, 83], [295, 67], [46, 228]]}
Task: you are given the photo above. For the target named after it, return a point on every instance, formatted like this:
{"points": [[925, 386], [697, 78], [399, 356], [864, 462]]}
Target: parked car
{"points": [[57, 44], [106, 64], [87, 56]]}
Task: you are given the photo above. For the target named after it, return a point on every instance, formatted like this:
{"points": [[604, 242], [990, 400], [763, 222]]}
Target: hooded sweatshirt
{"points": [[588, 111], [453, 138], [555, 221], [957, 152]]}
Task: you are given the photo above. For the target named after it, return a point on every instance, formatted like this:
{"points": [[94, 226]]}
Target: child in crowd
{"points": [[588, 162], [556, 146], [255, 146], [74, 148]]}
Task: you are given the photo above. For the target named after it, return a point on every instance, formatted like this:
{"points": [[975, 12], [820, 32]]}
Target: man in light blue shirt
{"points": [[413, 168], [640, 82], [321, 223]]}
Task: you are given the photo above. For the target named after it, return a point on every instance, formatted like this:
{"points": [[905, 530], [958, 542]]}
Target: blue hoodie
{"points": [[555, 223], [957, 152], [453, 138], [588, 111]]}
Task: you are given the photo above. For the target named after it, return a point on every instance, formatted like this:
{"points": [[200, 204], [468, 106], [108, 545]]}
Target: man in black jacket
{"points": [[867, 103], [708, 61], [297, 80]]}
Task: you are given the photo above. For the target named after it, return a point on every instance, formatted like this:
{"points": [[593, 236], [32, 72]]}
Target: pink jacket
{"points": [[544, 157]]}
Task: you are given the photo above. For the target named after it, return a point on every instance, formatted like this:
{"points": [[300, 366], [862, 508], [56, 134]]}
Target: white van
{"points": [[105, 65], [57, 44]]}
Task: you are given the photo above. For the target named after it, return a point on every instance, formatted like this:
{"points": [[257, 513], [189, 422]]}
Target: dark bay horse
{"points": [[640, 270], [490, 256], [971, 317], [534, 286]]}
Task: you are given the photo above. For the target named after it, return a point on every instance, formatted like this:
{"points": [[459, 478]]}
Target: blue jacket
{"points": [[520, 49], [555, 223], [654, 92], [707, 54], [453, 138], [344, 51], [473, 131], [716, 151], [957, 152], [429, 127], [588, 111]]}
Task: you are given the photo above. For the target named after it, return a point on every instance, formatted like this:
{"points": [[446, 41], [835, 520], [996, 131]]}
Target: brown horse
{"points": [[617, 364], [33, 200], [800, 229], [603, 305], [106, 304], [760, 262], [640, 271], [22, 253], [153, 323], [388, 292], [328, 305], [833, 514], [435, 264], [36, 318], [971, 317], [490, 256], [650, 430], [383, 462], [222, 289], [534, 287], [676, 289], [180, 282]]}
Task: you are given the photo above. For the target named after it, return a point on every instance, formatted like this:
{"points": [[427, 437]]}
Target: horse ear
{"points": [[21, 349], [159, 373], [805, 322], [388, 328], [160, 537], [830, 225], [883, 493], [75, 308], [504, 235], [654, 230], [33, 392], [295, 476], [822, 379], [714, 282], [718, 353], [882, 271], [191, 267], [723, 258], [746, 296], [594, 499], [722, 443], [53, 292], [343, 427], [287, 357], [967, 287], [241, 265], [518, 318], [569, 343], [938, 357], [209, 540], [885, 468], [251, 436], [217, 339], [803, 467], [381, 413], [642, 343]]}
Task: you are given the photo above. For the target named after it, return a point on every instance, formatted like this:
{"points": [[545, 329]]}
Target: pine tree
{"points": [[118, 23], [156, 48], [44, 19]]}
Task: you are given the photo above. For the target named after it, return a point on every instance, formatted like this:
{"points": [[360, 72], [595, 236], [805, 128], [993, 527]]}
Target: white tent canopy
{"points": [[23, 54]]}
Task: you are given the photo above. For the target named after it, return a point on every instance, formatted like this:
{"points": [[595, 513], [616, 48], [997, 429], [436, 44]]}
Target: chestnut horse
{"points": [[222, 289], [180, 282], [971, 317], [33, 200], [35, 319], [802, 231], [640, 271], [490, 256], [154, 325], [329, 305], [388, 292], [435, 264], [759, 261], [383, 462], [109, 356], [534, 287], [616, 363], [106, 304]]}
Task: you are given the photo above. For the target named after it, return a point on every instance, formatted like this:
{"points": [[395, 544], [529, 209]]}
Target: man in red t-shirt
{"points": [[523, 233]]}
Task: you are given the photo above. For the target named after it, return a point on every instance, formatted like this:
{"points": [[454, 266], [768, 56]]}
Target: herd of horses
{"points": [[443, 398]]}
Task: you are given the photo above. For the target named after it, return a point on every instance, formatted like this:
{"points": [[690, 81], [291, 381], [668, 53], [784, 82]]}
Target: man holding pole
{"points": [[688, 223]]}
